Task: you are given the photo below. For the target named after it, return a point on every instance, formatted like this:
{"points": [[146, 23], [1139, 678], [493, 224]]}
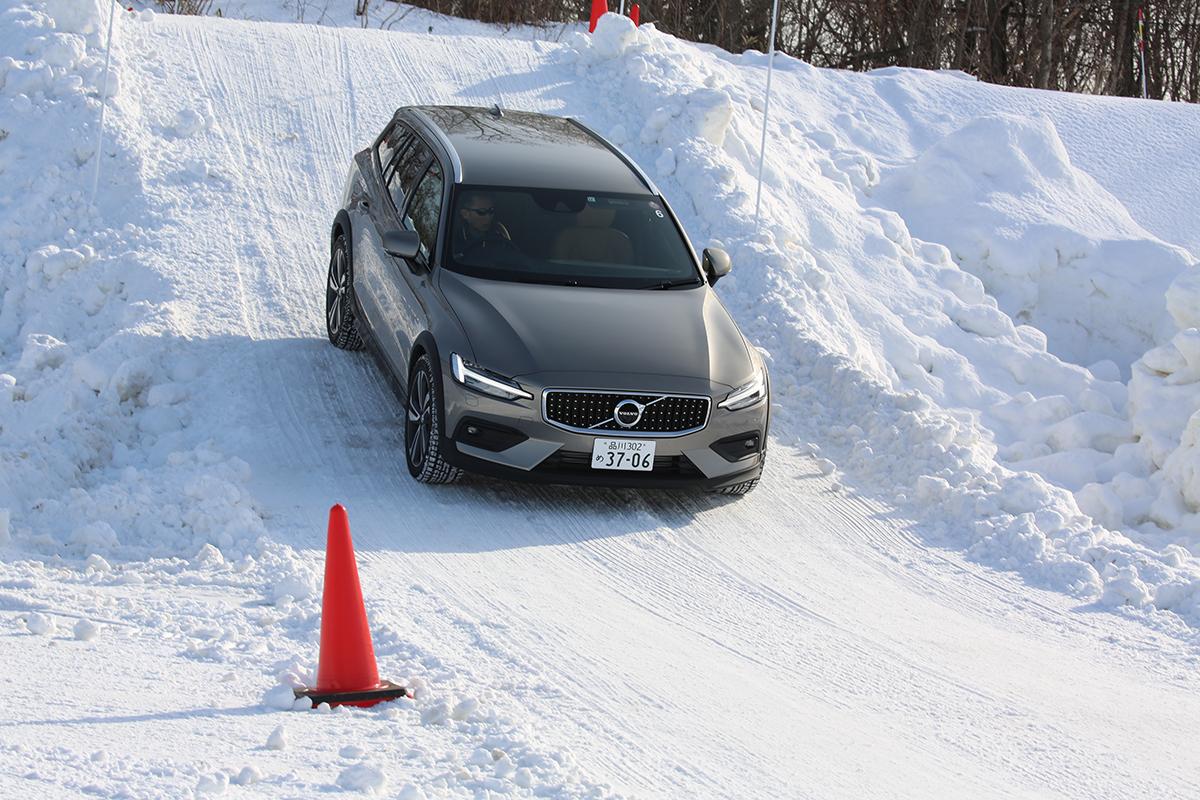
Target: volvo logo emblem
{"points": [[628, 413]]}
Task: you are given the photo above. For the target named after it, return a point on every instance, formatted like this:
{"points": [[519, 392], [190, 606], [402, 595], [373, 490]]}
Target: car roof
{"points": [[519, 148]]}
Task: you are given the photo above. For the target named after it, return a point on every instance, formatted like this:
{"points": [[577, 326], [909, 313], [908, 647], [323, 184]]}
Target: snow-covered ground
{"points": [[387, 15], [973, 565]]}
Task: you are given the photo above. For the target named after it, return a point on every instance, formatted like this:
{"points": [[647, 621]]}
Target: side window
{"points": [[425, 209], [393, 153], [406, 168], [394, 140]]}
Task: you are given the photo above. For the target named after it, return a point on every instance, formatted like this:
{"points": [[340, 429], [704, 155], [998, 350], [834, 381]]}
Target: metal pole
{"points": [[762, 147], [112, 10], [1144, 94]]}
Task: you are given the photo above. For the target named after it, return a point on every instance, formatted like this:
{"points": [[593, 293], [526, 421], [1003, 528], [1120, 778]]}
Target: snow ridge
{"points": [[864, 324]]}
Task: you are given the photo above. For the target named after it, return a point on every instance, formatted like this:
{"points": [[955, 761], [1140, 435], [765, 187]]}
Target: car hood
{"points": [[525, 328]]}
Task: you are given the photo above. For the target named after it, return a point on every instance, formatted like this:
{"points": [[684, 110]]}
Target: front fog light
{"points": [[747, 394], [485, 381]]}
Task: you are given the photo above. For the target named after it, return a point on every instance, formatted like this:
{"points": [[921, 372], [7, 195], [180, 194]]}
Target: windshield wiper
{"points": [[673, 284]]}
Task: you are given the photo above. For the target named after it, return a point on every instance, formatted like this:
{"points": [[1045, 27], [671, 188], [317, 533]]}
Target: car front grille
{"points": [[642, 412]]}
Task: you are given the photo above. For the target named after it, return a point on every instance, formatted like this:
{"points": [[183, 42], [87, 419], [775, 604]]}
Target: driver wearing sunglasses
{"points": [[479, 226]]}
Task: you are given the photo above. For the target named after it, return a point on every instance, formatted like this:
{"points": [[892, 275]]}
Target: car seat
{"points": [[592, 238]]}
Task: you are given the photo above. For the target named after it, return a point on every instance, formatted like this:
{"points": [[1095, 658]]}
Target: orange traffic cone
{"points": [[599, 9], [635, 14], [346, 673]]}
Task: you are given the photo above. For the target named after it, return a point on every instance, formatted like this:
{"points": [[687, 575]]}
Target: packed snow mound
{"points": [[1158, 491], [616, 36], [888, 357], [1062, 256], [77, 16], [93, 391], [1054, 248]]}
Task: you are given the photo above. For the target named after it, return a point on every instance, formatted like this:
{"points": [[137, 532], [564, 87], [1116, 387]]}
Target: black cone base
{"points": [[368, 697]]}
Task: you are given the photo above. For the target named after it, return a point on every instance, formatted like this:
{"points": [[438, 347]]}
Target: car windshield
{"points": [[615, 241]]}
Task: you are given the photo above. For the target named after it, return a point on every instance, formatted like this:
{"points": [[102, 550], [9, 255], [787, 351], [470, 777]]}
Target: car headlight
{"points": [[485, 381], [747, 394]]}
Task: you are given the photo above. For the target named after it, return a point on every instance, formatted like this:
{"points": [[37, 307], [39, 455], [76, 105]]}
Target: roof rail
{"points": [[619, 153], [431, 128]]}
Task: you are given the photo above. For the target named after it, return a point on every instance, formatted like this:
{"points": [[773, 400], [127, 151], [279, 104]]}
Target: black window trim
{"points": [[424, 128], [417, 125], [391, 126], [441, 220], [413, 136], [388, 190], [383, 173]]}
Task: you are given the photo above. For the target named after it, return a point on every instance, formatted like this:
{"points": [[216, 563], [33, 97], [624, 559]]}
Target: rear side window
{"points": [[406, 169], [425, 209], [395, 140]]}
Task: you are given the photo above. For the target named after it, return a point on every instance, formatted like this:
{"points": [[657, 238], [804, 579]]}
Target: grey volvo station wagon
{"points": [[540, 309]]}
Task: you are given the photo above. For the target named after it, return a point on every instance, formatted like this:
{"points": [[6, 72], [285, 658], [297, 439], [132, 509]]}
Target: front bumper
{"points": [[515, 442]]}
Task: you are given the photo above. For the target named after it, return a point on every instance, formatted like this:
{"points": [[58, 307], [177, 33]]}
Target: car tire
{"points": [[340, 323], [423, 415]]}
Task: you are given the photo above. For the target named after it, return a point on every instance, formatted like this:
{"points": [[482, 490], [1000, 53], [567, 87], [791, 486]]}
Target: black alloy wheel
{"points": [[423, 427], [339, 299]]}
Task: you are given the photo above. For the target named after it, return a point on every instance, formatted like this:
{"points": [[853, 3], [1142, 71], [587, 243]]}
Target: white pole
{"points": [[762, 148], [112, 9]]}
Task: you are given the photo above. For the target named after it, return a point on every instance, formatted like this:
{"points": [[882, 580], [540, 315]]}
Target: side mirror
{"points": [[402, 243], [716, 264]]}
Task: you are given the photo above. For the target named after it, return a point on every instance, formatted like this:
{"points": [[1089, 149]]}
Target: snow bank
{"points": [[1054, 248], [77, 16], [911, 317], [1157, 489], [1061, 254], [93, 389]]}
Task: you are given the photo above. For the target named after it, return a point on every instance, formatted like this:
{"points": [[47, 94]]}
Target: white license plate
{"points": [[634, 454]]}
